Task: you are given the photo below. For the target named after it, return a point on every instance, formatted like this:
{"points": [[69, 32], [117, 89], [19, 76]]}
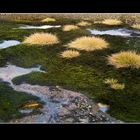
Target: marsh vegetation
{"points": [[103, 67]]}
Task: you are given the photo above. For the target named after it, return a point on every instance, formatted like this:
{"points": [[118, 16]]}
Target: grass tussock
{"points": [[70, 54], [110, 81], [114, 83], [41, 39], [84, 23], [112, 22], [136, 26], [118, 86], [97, 22], [48, 19], [70, 27], [125, 59], [88, 43]]}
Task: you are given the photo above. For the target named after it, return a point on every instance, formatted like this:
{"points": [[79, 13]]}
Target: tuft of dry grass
{"points": [[70, 54], [114, 83], [41, 39], [88, 43], [112, 22], [125, 59], [70, 27], [97, 22], [84, 23], [110, 81], [49, 19], [136, 26], [118, 86]]}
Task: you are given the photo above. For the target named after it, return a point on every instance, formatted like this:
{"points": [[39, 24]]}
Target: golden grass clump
{"points": [[49, 19], [112, 22], [97, 22], [70, 27], [136, 26], [117, 86], [125, 59], [88, 43], [110, 81], [84, 23], [70, 54], [41, 39], [114, 83]]}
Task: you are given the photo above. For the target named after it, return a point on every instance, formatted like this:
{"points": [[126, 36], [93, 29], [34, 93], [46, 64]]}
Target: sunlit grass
{"points": [[70, 27], [88, 43], [70, 54], [41, 39], [48, 19], [136, 26], [114, 83], [84, 23], [125, 59], [112, 22]]}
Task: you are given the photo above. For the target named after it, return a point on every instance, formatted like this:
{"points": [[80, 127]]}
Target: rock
{"points": [[63, 112]]}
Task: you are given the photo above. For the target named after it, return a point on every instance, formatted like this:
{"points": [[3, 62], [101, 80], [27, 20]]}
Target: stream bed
{"points": [[60, 105]]}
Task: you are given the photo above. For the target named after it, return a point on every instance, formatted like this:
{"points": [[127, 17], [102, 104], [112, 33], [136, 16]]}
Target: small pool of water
{"points": [[10, 71], [38, 27], [116, 32], [103, 107], [8, 43]]}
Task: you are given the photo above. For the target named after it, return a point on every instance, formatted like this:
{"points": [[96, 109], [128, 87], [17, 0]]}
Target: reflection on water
{"points": [[103, 107], [116, 32], [38, 27], [8, 43], [10, 71]]}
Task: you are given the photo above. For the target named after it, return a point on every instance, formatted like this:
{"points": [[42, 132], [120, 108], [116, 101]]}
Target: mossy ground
{"points": [[10, 101], [85, 73]]}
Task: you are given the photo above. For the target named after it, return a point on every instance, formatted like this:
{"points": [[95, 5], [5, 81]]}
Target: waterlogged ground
{"points": [[70, 90], [60, 105]]}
